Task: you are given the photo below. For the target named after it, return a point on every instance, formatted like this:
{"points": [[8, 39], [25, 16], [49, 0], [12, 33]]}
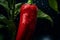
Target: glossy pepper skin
{"points": [[27, 23]]}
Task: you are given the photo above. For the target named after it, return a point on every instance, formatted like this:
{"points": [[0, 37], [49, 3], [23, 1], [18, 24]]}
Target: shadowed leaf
{"points": [[10, 23], [17, 8], [53, 4], [44, 16], [3, 19], [5, 5]]}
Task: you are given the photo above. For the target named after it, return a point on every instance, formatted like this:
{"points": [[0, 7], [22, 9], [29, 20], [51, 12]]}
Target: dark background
{"points": [[43, 26]]}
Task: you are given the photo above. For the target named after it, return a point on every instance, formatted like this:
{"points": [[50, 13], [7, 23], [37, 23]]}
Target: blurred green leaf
{"points": [[4, 3], [10, 23], [3, 19], [17, 8], [2, 0], [44, 16], [53, 4]]}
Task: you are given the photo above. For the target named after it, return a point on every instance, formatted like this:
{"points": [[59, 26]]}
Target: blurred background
{"points": [[45, 30]]}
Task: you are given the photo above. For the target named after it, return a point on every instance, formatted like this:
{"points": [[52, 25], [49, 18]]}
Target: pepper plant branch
{"points": [[10, 9], [13, 9], [12, 27], [11, 5]]}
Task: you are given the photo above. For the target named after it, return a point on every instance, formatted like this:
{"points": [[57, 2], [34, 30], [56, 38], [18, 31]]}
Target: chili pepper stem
{"points": [[30, 2]]}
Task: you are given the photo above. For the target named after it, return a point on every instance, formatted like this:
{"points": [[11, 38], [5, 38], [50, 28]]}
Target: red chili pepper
{"points": [[28, 17]]}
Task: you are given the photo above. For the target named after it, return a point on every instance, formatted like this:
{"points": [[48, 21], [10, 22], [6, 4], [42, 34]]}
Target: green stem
{"points": [[9, 5], [13, 9], [12, 29], [13, 35], [13, 32], [12, 26], [30, 2], [11, 16]]}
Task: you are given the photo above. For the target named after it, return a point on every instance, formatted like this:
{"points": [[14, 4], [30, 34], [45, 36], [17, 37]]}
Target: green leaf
{"points": [[17, 9], [53, 4], [2, 0], [3, 19], [44, 16], [5, 5], [10, 23]]}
